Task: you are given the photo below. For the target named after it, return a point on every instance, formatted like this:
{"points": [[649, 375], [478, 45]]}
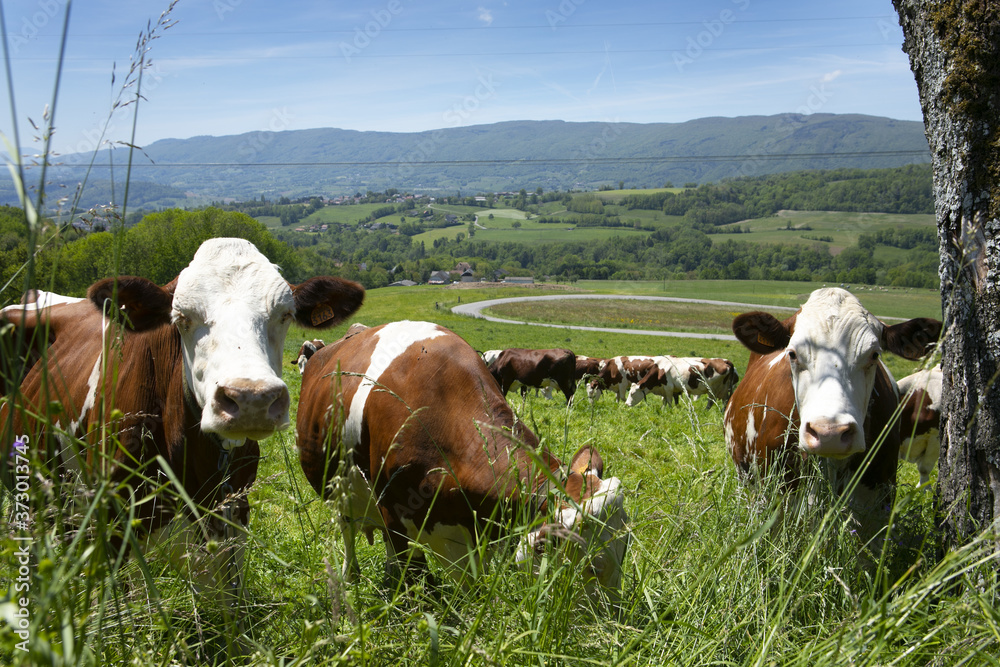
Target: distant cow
{"points": [[306, 352], [587, 367], [816, 385], [520, 368], [489, 356], [694, 376], [186, 378], [417, 441], [618, 375], [920, 420]]}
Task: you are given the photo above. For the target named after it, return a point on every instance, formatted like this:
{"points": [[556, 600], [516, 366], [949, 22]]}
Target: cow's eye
{"points": [[287, 317], [182, 322], [875, 356], [792, 356]]}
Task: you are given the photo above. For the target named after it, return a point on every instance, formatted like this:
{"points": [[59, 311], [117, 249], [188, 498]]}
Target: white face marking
{"points": [[489, 356], [834, 355], [604, 532], [393, 340], [232, 309]]}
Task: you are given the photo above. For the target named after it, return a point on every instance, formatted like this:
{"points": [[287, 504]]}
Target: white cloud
{"points": [[830, 76], [485, 15]]}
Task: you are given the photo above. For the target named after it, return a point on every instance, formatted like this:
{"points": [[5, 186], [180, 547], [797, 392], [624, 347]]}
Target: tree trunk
{"points": [[954, 50]]}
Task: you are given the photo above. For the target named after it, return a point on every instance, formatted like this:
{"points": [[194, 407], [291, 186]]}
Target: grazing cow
{"points": [[489, 356], [673, 376], [188, 374], [587, 367], [414, 458], [815, 385], [307, 350], [618, 375], [517, 367], [920, 420]]}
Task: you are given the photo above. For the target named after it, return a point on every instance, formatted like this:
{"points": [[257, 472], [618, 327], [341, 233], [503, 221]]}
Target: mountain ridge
{"points": [[509, 155]]}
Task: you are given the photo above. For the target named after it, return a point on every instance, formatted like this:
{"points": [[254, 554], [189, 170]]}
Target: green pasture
{"points": [[346, 215], [713, 575], [843, 227], [618, 195]]}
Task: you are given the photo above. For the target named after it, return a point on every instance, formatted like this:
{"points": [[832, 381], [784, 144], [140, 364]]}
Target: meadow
{"points": [[713, 576]]}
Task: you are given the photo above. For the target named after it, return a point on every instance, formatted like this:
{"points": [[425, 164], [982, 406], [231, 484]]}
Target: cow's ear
{"points": [[912, 339], [139, 303], [762, 332], [325, 302], [586, 460]]}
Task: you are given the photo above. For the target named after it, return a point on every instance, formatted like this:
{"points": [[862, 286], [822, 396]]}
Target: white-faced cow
{"points": [[815, 385], [189, 374], [673, 377], [920, 420], [518, 368], [306, 351], [404, 424], [618, 375]]}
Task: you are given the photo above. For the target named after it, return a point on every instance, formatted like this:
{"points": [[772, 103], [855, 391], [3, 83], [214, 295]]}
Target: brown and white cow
{"points": [[404, 424], [673, 377], [189, 374], [816, 386], [618, 374], [518, 368], [587, 367], [920, 420], [306, 351]]}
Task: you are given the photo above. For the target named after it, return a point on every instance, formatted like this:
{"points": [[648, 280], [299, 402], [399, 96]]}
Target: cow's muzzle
{"points": [[248, 408]]}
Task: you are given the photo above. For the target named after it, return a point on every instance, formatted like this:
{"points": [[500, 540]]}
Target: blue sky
{"points": [[234, 66]]}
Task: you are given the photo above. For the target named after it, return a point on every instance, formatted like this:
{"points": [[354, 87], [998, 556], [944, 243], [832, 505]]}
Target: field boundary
{"points": [[475, 309]]}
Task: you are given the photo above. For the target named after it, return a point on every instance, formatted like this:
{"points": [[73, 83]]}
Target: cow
{"points": [[20, 353], [406, 427], [920, 420], [816, 386], [587, 367], [143, 384], [517, 367], [489, 356], [618, 374], [308, 349], [672, 377]]}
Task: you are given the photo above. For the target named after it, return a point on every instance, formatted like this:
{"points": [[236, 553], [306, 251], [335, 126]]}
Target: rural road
{"points": [[475, 310]]}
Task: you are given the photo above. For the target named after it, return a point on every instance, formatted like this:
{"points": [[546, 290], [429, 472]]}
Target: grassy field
{"points": [[713, 576], [842, 228]]}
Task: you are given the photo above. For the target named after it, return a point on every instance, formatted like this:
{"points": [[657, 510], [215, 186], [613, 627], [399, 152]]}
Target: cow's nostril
{"points": [[226, 400], [279, 407]]}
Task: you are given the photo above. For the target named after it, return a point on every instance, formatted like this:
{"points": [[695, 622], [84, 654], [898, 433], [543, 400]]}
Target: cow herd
{"points": [[139, 377]]}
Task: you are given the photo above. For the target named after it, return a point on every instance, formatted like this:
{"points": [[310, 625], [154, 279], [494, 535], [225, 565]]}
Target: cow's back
{"points": [[417, 406]]}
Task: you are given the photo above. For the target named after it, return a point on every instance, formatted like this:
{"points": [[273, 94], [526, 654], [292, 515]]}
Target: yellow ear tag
{"points": [[321, 313], [762, 340]]}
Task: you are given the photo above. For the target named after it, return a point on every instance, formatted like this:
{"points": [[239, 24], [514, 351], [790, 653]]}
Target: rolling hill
{"points": [[512, 155]]}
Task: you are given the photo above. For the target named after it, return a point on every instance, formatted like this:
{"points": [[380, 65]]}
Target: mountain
{"points": [[516, 154]]}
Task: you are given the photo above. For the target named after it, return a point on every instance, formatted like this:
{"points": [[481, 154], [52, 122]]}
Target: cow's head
{"points": [[832, 347], [590, 523], [308, 349], [232, 310]]}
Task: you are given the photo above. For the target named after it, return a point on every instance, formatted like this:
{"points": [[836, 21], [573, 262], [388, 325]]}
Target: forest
{"points": [[160, 244]]}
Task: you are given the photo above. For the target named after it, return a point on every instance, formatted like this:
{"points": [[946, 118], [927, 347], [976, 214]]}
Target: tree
{"points": [[954, 50]]}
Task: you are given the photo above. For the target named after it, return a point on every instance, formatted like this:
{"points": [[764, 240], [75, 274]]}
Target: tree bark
{"points": [[954, 50]]}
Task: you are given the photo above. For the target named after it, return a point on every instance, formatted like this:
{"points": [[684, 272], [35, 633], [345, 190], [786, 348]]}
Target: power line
{"points": [[641, 159]]}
